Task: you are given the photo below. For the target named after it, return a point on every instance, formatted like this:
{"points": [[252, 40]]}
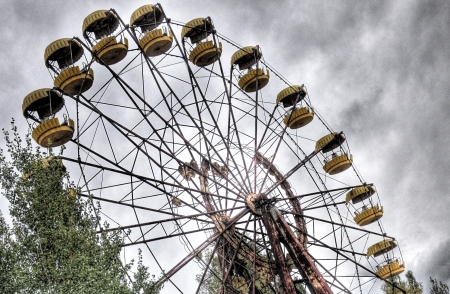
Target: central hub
{"points": [[253, 202]]}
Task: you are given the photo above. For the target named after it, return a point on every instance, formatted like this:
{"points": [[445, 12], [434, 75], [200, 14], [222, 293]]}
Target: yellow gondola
{"points": [[368, 216], [359, 194], [71, 80], [44, 163], [197, 29], [205, 53], [176, 201], [186, 171], [72, 193], [153, 41], [222, 223], [156, 42], [239, 284], [51, 133], [110, 51], [381, 247], [246, 57], [45, 102], [391, 269], [147, 17], [291, 95], [103, 23], [338, 163], [330, 142], [254, 80], [299, 117], [65, 52], [219, 171]]}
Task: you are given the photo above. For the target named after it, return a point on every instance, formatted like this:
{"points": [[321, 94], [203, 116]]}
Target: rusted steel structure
{"points": [[215, 175]]}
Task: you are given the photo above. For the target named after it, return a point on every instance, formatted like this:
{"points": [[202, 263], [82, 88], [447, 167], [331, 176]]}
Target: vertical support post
{"points": [[280, 262], [306, 266], [205, 166]]}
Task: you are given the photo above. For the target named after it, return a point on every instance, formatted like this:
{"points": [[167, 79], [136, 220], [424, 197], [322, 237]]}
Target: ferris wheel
{"points": [[196, 153]]}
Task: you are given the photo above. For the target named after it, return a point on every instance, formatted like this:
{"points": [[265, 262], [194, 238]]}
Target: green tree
{"points": [[438, 287], [410, 285], [7, 259], [52, 245], [211, 283]]}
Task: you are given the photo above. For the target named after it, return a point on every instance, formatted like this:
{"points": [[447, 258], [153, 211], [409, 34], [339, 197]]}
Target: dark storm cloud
{"points": [[24, 36], [439, 265], [412, 107], [28, 27], [383, 71]]}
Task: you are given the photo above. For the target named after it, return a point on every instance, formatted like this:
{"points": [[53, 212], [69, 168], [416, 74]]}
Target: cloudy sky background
{"points": [[380, 70]]}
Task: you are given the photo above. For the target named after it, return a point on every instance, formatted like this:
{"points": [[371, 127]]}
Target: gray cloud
{"points": [[438, 266]]}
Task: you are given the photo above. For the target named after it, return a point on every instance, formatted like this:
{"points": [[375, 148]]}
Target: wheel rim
{"points": [[154, 115]]}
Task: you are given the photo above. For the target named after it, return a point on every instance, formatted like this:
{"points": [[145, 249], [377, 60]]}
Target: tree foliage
{"points": [[52, 245], [438, 287], [410, 285], [211, 282]]}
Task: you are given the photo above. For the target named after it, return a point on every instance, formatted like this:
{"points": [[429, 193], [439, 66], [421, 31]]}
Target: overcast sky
{"points": [[380, 69]]}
